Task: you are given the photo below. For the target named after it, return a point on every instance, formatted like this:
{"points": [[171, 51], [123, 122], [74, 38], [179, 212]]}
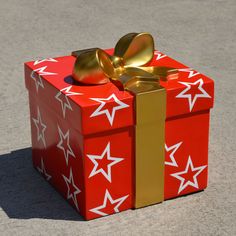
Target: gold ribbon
{"points": [[128, 70]]}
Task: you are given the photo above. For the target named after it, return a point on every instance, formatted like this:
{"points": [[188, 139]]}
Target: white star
{"points": [[191, 100], [106, 154], [68, 92], [191, 72], [62, 98], [172, 158], [36, 76], [184, 184], [111, 116], [64, 102], [47, 59], [40, 127], [118, 202], [41, 71], [66, 150], [37, 79], [42, 170], [159, 55], [72, 194]]}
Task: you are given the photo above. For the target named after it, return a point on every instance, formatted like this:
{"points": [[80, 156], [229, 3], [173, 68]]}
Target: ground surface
{"points": [[201, 34]]}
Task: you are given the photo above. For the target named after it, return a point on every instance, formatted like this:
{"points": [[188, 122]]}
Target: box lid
{"points": [[104, 107]]}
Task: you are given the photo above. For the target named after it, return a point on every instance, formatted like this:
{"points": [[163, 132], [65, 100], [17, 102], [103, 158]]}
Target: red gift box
{"points": [[83, 135]]}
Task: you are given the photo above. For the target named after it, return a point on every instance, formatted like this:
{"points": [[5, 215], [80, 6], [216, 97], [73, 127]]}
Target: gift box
{"points": [[108, 146]]}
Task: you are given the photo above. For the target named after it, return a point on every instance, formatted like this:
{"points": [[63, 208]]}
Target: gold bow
{"points": [[127, 68]]}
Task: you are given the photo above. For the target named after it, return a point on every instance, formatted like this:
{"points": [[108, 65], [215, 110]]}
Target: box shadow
{"points": [[25, 194]]}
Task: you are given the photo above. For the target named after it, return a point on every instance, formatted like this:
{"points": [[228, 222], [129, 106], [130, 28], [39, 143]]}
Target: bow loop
{"points": [[93, 66], [135, 49]]}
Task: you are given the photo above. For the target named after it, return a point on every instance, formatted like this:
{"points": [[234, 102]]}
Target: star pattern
{"points": [[37, 79], [191, 72], [173, 149], [43, 60], [106, 155], [42, 170], [41, 127], [103, 101], [190, 87], [41, 71], [72, 189], [64, 144], [36, 76], [116, 202], [189, 168], [159, 55], [62, 98], [68, 92], [187, 177]]}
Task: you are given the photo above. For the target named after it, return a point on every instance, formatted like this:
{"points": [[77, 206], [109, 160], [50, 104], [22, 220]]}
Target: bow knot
{"points": [[117, 61]]}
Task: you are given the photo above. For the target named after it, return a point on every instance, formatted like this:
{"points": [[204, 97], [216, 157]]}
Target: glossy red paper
{"points": [[83, 136]]}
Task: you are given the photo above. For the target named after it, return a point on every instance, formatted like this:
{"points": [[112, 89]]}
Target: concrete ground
{"points": [[200, 34]]}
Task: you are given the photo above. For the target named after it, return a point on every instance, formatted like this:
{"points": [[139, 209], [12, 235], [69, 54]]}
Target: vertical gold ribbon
{"points": [[150, 108]]}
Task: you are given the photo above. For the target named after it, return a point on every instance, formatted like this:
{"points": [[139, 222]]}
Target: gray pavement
{"points": [[201, 34]]}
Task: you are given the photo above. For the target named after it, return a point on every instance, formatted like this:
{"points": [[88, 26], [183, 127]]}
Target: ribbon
{"points": [[128, 69]]}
